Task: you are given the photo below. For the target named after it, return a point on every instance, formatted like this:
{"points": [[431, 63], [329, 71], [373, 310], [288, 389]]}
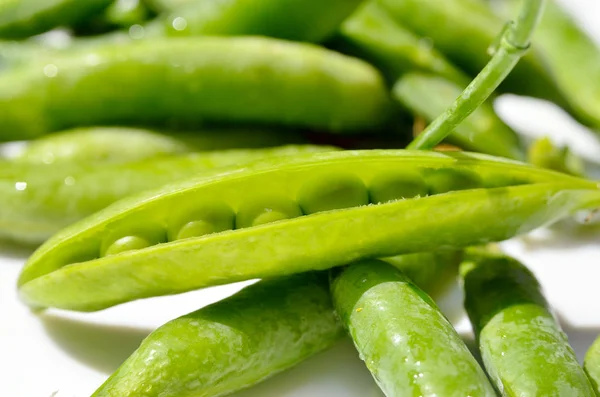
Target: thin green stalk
{"points": [[512, 46]]}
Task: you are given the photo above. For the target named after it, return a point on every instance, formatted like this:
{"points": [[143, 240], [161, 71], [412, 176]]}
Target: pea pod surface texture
{"points": [[523, 348], [591, 364], [300, 20], [36, 200], [408, 345], [233, 344], [339, 206], [191, 81]]}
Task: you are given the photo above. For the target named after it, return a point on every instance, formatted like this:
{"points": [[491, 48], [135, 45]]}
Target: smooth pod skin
{"points": [[408, 345], [233, 344], [371, 33], [464, 30], [36, 200], [191, 81], [523, 348], [571, 56], [23, 18], [591, 364], [299, 20], [68, 271], [110, 145], [483, 131]]}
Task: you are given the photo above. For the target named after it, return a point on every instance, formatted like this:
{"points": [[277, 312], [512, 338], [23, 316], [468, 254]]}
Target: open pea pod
{"points": [[290, 215]]}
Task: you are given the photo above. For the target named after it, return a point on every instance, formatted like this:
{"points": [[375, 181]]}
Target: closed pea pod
{"points": [[512, 199], [522, 346], [406, 342], [233, 344], [192, 81], [39, 200]]}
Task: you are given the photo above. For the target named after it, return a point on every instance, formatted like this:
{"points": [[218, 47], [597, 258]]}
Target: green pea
{"points": [[137, 238], [405, 341], [127, 243], [395, 186], [266, 210], [327, 239], [333, 191], [204, 219], [522, 346], [445, 180]]}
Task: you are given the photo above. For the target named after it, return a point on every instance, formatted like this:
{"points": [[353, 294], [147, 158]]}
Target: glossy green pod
{"points": [[523, 348], [36, 200], [502, 199], [299, 20], [264, 329], [571, 56], [371, 33], [191, 81], [464, 30], [120, 144], [428, 96], [24, 18], [591, 364], [408, 345]]}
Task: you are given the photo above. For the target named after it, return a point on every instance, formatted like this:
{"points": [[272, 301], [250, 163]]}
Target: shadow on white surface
{"points": [[100, 346]]}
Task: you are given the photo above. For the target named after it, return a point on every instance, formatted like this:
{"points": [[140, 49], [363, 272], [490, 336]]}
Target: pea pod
{"points": [[190, 81], [119, 144], [406, 342], [37, 201], [591, 365], [483, 131], [24, 18], [464, 30], [251, 221], [571, 56], [286, 19], [544, 153], [371, 33], [233, 344], [523, 348]]}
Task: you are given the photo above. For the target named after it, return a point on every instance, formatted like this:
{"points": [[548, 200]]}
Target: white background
{"points": [[70, 354]]}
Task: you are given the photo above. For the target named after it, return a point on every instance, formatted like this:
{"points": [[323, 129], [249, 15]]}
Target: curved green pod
{"points": [[428, 96], [523, 348], [591, 364], [194, 81], [264, 329], [473, 199], [371, 33], [572, 57], [121, 144], [299, 20], [464, 31], [23, 18], [408, 345], [36, 200]]}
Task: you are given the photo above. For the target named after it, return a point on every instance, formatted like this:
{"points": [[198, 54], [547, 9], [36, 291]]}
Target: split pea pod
{"points": [[371, 33], [121, 144], [264, 329], [591, 365], [299, 20], [464, 30], [572, 57], [483, 131], [523, 348], [408, 345], [192, 81], [36, 200], [24, 18], [339, 206]]}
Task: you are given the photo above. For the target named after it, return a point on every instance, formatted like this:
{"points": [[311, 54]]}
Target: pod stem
{"points": [[512, 45]]}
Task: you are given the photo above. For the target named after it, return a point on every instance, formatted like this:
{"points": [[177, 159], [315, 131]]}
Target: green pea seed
{"points": [[263, 211], [127, 243], [205, 219], [447, 179], [333, 191], [393, 186]]}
